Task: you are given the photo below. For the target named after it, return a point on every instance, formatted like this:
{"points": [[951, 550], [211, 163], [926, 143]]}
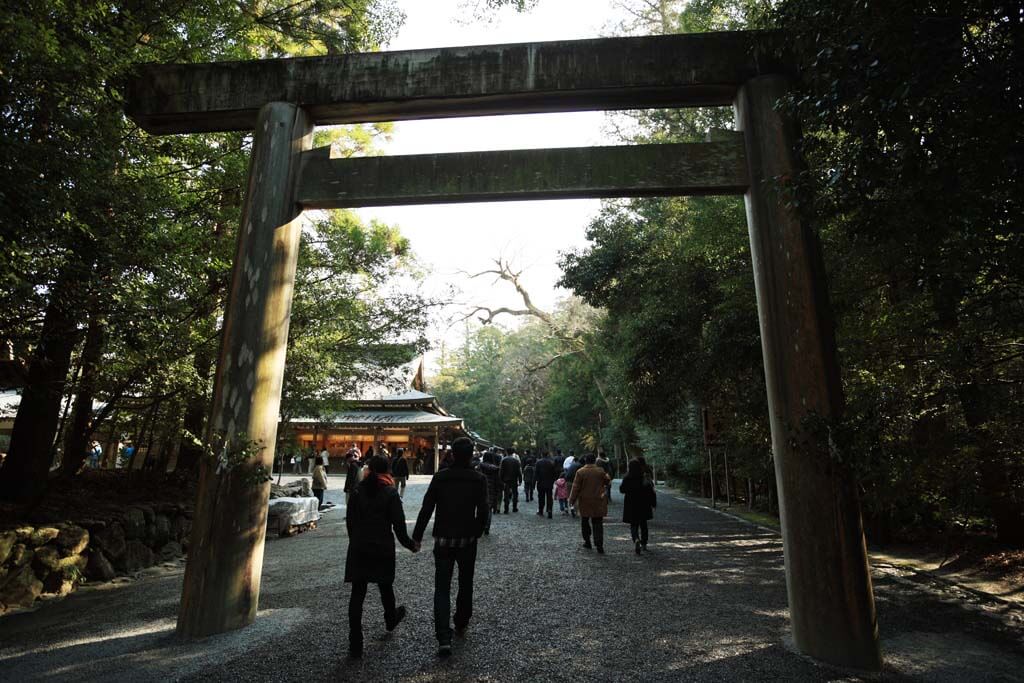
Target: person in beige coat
{"points": [[590, 496]]}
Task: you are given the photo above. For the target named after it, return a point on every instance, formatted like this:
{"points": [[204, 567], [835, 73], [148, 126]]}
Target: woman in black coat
{"points": [[639, 501], [373, 518]]}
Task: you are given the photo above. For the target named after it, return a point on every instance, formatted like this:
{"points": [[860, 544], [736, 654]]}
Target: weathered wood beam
{"points": [[624, 171], [831, 603], [606, 73]]}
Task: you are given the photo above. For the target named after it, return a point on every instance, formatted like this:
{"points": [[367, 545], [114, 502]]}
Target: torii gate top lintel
{"points": [[698, 69]]}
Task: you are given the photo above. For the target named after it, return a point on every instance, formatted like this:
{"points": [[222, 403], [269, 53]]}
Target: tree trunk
{"points": [[25, 472], [81, 426]]}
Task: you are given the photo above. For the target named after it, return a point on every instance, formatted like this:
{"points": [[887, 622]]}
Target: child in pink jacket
{"points": [[562, 494]]}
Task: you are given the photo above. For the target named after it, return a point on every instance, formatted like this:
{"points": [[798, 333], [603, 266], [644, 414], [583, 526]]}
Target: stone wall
{"points": [[53, 559]]}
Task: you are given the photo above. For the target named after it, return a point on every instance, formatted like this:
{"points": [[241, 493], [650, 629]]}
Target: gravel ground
{"points": [[708, 602]]}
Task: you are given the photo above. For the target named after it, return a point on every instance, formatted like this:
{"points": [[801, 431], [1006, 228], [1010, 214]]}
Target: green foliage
{"points": [[102, 222]]}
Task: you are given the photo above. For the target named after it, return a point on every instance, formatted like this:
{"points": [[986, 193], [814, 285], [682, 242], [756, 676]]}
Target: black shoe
{"points": [[540, 513], [487, 532], [355, 650], [515, 509], [399, 615], [460, 631], [586, 545], [600, 550], [636, 544], [549, 515], [444, 650]]}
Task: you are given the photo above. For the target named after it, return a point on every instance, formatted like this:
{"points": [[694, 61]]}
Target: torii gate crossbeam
{"points": [[830, 596]]}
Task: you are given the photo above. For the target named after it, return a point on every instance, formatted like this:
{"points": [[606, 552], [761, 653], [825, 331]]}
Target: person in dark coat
{"points": [[353, 465], [459, 496], [400, 471], [489, 468], [375, 517], [511, 476], [545, 473], [639, 501], [529, 479]]}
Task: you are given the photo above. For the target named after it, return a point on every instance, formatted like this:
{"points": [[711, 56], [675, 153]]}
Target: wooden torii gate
{"points": [[829, 586]]}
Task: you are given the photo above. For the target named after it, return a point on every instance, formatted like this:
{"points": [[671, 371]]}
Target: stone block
{"points": [[170, 551], [43, 535], [47, 560], [111, 541], [137, 556], [98, 567], [180, 528], [7, 541], [161, 530], [21, 589], [134, 524], [21, 555], [72, 540]]}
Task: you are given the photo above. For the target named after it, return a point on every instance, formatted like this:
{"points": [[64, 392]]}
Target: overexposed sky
{"points": [[452, 239]]}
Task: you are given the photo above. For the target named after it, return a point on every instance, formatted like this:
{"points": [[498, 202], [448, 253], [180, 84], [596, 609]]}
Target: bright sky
{"points": [[453, 239]]}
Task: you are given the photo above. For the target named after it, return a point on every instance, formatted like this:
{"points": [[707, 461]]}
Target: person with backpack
{"points": [[511, 477], [374, 519], [638, 503]]}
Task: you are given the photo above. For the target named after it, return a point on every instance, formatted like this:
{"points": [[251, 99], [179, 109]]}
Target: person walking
{"points": [[319, 483], [325, 458], [490, 469], [588, 493], [638, 503], [545, 473], [459, 495], [528, 479], [562, 494], [511, 477], [351, 477], [400, 471], [375, 518], [570, 474]]}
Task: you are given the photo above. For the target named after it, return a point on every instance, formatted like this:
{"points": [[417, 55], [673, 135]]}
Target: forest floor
{"points": [[707, 603], [978, 564]]}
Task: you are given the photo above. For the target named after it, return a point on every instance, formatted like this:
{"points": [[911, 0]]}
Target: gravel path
{"points": [[707, 603]]}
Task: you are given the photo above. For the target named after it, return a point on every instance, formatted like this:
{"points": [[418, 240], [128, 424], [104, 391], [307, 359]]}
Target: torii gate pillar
{"points": [[225, 555], [830, 600]]}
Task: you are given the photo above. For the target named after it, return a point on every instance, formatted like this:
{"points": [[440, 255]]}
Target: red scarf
{"points": [[385, 479]]}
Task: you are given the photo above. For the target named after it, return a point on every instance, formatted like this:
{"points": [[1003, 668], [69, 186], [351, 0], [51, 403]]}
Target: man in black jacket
{"points": [[400, 471], [545, 473], [511, 476], [459, 494]]}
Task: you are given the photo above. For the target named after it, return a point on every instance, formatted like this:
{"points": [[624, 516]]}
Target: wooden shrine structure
{"points": [[281, 100]]}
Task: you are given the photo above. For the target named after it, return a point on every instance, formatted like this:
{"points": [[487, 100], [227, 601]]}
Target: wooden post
{"points": [[222, 578], [830, 597]]}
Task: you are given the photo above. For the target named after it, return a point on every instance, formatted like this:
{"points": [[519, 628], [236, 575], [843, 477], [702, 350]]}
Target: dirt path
{"points": [[707, 603]]}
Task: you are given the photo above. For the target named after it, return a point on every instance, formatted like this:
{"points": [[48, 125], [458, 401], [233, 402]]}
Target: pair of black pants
{"points": [[544, 497], [355, 609], [319, 493], [528, 490], [641, 527], [598, 524], [512, 494], [445, 560]]}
